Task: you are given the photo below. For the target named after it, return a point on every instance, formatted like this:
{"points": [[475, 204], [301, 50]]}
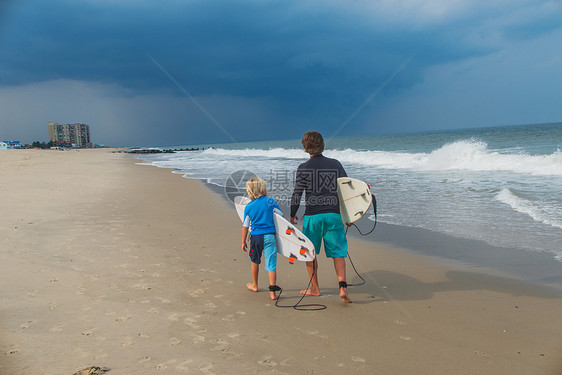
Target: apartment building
{"points": [[76, 134]]}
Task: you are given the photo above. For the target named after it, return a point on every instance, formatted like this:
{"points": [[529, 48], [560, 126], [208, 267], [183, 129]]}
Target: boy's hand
{"points": [[294, 219], [244, 247]]}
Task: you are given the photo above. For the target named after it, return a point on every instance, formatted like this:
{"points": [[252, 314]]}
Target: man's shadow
{"points": [[384, 285]]}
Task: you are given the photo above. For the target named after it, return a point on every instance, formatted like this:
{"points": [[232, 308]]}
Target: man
{"points": [[317, 178]]}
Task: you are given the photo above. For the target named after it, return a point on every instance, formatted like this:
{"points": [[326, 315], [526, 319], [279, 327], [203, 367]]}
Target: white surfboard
{"points": [[290, 240], [355, 199]]}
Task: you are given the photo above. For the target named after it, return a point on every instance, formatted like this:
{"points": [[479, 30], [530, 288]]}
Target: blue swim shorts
{"points": [[328, 227], [264, 243]]}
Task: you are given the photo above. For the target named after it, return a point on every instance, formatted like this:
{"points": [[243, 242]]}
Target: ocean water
{"points": [[501, 185]]}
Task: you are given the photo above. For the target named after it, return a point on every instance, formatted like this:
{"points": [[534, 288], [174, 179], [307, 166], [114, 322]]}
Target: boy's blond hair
{"points": [[255, 187]]}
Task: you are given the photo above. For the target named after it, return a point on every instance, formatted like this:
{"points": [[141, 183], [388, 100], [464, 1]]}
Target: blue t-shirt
{"points": [[259, 214]]}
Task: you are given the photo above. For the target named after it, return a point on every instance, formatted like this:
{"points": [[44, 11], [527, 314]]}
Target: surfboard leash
{"points": [[298, 306], [357, 273], [363, 234], [374, 225]]}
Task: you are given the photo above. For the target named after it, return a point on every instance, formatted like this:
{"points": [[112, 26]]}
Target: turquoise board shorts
{"points": [[327, 226], [264, 243]]}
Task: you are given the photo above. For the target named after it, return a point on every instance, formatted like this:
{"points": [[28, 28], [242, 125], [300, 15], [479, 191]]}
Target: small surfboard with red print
{"points": [[290, 240]]}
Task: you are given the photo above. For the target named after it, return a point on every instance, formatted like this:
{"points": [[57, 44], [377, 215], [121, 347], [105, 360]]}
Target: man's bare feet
{"points": [[343, 292], [344, 296], [252, 287], [310, 292]]}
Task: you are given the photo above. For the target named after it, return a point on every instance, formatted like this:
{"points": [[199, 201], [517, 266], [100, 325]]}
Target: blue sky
{"points": [[140, 72]]}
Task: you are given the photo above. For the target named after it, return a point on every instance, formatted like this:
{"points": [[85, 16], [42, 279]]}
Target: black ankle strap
{"points": [[274, 288], [343, 284]]}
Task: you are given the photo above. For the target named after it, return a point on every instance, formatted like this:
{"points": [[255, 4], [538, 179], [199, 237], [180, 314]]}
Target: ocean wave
{"points": [[528, 207], [274, 153], [471, 155]]}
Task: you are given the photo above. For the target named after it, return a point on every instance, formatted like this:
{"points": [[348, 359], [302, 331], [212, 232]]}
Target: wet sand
{"points": [[130, 267]]}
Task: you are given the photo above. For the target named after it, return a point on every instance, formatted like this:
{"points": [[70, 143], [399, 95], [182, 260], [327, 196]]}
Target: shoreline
{"points": [[527, 265], [134, 268]]}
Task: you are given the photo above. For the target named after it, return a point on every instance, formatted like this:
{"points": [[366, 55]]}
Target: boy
{"points": [[259, 214], [317, 178]]}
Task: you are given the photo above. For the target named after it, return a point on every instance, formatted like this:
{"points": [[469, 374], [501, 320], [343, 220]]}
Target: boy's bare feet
{"points": [[273, 289], [310, 292], [252, 287]]}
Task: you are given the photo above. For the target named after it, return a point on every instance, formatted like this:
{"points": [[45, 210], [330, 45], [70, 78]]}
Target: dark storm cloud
{"points": [[215, 47]]}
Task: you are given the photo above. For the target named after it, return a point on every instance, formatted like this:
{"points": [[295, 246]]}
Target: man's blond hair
{"points": [[255, 187]]}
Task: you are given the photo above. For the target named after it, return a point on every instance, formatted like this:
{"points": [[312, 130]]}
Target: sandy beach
{"points": [[132, 268]]}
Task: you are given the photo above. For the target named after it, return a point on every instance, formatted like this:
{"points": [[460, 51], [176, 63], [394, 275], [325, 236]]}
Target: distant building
{"points": [[78, 135], [3, 145]]}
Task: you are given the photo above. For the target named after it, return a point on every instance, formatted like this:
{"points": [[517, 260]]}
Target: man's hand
{"points": [[244, 247], [294, 219]]}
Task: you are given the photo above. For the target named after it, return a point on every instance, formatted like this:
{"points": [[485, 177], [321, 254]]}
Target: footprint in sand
{"points": [[192, 323], [197, 293], [89, 332], [208, 368], [13, 350], [228, 318], [174, 341], [145, 359], [358, 359], [142, 286], [174, 317], [198, 339], [221, 345], [123, 318], [27, 325], [57, 328], [163, 366], [267, 361]]}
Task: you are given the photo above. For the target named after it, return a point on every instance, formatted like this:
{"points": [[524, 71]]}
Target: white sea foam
{"points": [[469, 155], [431, 181], [274, 153], [533, 209]]}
